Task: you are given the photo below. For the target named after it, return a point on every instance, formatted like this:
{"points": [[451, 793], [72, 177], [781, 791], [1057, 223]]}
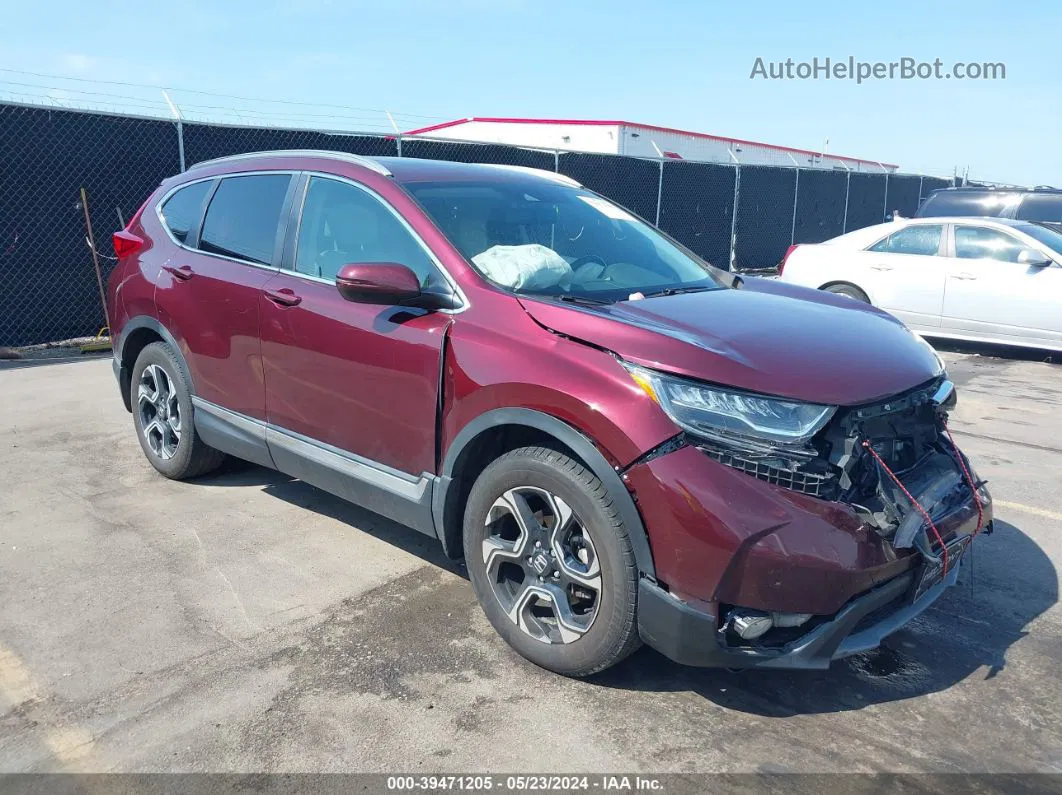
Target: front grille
{"points": [[804, 482]]}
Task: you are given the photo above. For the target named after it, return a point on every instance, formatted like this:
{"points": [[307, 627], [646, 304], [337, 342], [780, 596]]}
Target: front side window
{"points": [[978, 242], [244, 216], [182, 210], [345, 225], [921, 239], [541, 238]]}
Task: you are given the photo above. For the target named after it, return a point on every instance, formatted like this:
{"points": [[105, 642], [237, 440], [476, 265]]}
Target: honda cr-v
{"points": [[623, 442]]}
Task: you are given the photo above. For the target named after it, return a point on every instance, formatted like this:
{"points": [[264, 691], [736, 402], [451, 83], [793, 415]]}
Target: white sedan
{"points": [[984, 279]]}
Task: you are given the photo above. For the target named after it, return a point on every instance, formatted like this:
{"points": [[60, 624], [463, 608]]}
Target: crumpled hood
{"points": [[768, 337]]}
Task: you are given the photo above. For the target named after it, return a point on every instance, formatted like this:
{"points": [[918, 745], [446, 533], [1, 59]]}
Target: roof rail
{"points": [[346, 157]]}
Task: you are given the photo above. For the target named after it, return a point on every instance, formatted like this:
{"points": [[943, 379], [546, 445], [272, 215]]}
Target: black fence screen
{"points": [[902, 197], [930, 184], [866, 200], [821, 197], [497, 154], [697, 208], [764, 228], [48, 286], [626, 180], [205, 142]]}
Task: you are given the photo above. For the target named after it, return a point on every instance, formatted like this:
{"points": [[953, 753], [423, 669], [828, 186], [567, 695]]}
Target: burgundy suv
{"points": [[624, 443]]}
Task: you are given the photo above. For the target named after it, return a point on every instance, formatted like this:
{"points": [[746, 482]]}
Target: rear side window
{"points": [[973, 203], [977, 242], [181, 211], [243, 217], [1046, 208], [923, 239]]}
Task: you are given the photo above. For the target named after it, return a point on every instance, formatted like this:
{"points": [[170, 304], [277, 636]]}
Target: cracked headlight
{"points": [[711, 411]]}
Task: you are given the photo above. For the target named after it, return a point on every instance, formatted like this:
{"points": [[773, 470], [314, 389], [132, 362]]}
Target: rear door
{"points": [[208, 295], [905, 273], [991, 293]]}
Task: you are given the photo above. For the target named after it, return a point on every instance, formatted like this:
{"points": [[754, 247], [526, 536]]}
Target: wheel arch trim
{"points": [[564, 433], [152, 324]]}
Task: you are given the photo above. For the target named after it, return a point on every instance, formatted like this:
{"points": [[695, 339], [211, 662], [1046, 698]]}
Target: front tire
{"points": [[162, 416], [551, 562]]}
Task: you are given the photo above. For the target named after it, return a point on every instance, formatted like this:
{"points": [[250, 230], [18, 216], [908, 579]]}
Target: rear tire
{"points": [[849, 290], [162, 416], [551, 562]]}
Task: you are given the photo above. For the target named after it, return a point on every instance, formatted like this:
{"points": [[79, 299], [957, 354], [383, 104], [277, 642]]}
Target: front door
{"points": [[361, 379], [990, 293]]}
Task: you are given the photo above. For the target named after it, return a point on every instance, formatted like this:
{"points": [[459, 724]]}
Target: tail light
{"points": [[788, 251], [126, 243]]}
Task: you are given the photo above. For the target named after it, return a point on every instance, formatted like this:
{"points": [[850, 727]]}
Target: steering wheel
{"points": [[578, 262]]}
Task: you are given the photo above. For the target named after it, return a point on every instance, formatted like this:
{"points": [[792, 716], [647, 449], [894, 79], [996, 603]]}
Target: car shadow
{"points": [[1011, 352], [237, 473], [967, 632]]}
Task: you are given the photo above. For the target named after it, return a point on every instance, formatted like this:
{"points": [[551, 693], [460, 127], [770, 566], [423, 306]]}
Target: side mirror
{"points": [[1033, 258], [391, 284], [377, 283]]}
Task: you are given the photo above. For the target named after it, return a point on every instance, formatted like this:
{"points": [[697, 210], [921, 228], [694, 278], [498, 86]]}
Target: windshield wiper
{"points": [[568, 298], [680, 290]]}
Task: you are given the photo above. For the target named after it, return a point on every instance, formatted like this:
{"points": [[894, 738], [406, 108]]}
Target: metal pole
{"points": [[921, 182], [847, 189], [796, 201], [95, 258], [399, 139], [659, 191], [885, 214], [733, 217], [180, 127]]}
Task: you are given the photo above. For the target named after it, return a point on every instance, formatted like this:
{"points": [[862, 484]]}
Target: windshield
{"points": [[538, 238], [1049, 237]]}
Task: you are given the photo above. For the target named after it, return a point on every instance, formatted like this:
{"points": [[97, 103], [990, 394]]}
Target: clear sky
{"points": [[679, 64]]}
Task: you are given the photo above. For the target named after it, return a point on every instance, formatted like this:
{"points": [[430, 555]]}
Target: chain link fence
{"points": [[733, 216]]}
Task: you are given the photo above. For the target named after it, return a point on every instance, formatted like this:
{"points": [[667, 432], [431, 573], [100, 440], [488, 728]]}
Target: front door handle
{"points": [[964, 276], [182, 272], [285, 296], [881, 267]]}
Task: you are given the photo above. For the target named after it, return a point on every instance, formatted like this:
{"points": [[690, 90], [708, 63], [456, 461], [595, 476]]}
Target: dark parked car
{"points": [[623, 442], [1040, 205]]}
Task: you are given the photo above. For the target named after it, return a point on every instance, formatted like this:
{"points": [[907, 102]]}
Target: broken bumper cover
{"points": [[688, 636]]}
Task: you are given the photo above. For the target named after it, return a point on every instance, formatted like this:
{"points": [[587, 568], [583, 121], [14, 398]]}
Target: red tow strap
{"points": [[918, 506], [914, 502], [969, 481]]}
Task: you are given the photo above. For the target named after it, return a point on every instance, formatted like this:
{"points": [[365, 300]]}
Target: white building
{"points": [[639, 140]]}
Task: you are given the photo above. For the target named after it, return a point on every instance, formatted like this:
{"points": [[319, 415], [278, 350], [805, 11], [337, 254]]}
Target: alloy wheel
{"points": [[542, 565], [160, 411]]}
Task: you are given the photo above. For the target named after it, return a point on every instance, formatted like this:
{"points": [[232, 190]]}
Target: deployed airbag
{"points": [[528, 267]]}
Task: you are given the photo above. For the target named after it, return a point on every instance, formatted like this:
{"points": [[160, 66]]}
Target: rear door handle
{"points": [[182, 272], [881, 267], [285, 296], [965, 277]]}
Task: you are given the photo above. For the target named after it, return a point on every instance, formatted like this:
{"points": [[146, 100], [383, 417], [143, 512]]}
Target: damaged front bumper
{"points": [[740, 537], [689, 636]]}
